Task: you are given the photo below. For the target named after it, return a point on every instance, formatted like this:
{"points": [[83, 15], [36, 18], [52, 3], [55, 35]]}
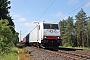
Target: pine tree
{"points": [[63, 25], [80, 27], [4, 13], [69, 31], [88, 33]]}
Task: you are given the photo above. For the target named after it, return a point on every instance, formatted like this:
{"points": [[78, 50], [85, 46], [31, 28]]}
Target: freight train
{"points": [[45, 34]]}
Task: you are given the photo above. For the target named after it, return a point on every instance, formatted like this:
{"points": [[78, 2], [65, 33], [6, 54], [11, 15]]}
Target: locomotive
{"points": [[45, 34]]}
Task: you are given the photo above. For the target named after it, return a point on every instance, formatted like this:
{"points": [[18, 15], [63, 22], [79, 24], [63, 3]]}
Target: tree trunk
{"points": [[87, 38], [82, 39]]}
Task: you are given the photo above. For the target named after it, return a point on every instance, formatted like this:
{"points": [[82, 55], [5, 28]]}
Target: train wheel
{"points": [[41, 46], [37, 45]]}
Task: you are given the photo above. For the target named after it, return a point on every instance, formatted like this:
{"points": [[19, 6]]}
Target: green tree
{"points": [[69, 31], [77, 33], [63, 25], [66, 28], [4, 13], [15, 38], [88, 33], [6, 37], [80, 27]]}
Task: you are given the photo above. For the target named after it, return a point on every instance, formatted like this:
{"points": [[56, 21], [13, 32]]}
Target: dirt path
{"points": [[23, 55]]}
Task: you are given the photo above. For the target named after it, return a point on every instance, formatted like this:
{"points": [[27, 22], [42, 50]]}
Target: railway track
{"points": [[74, 55], [70, 55]]}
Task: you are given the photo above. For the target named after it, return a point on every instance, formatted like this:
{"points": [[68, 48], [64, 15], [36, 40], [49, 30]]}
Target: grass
{"points": [[23, 55], [84, 48], [13, 55]]}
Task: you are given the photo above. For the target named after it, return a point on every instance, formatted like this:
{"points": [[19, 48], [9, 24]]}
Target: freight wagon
{"points": [[24, 40], [45, 35]]}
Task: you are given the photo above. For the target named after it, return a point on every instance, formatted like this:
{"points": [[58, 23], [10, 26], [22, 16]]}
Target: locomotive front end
{"points": [[51, 34]]}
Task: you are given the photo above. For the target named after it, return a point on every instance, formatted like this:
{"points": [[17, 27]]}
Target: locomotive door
{"points": [[40, 34]]}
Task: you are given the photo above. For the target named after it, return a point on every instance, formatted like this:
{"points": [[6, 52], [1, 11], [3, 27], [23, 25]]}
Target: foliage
{"points": [[63, 25], [66, 27], [4, 13], [13, 55], [76, 33], [80, 26], [6, 37], [66, 45]]}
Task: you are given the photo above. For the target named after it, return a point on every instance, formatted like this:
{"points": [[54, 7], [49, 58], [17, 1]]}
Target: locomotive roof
{"points": [[50, 22]]}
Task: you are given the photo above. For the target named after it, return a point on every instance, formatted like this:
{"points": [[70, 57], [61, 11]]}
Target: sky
{"points": [[25, 12]]}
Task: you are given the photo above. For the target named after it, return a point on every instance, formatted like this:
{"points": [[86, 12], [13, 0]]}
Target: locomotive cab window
{"points": [[46, 26], [54, 26], [51, 26]]}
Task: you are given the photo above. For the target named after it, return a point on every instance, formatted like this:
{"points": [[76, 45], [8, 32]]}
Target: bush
{"points": [[13, 55], [66, 45], [6, 36]]}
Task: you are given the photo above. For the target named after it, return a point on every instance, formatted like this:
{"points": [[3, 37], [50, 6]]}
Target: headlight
{"points": [[45, 37], [58, 37]]}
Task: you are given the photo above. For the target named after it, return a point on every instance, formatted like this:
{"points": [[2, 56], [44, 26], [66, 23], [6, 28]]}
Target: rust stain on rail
{"points": [[24, 56]]}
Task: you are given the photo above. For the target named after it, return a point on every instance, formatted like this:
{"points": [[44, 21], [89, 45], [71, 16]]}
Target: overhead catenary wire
{"points": [[42, 13], [64, 15], [46, 9], [75, 9]]}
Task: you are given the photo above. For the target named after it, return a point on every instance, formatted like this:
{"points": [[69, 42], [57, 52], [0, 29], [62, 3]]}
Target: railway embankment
{"points": [[24, 55], [63, 54], [44, 54]]}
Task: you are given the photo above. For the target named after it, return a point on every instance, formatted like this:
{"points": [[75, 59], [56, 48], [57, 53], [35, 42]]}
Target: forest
{"points": [[76, 32]]}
